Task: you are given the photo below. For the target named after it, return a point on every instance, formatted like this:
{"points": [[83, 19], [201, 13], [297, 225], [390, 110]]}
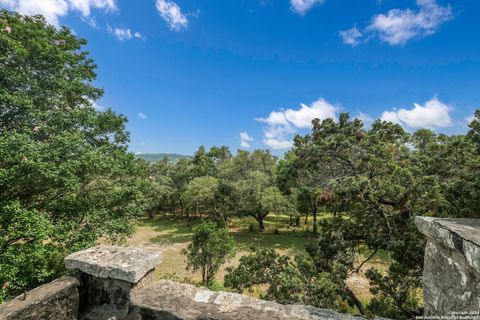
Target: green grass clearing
{"points": [[172, 235]]}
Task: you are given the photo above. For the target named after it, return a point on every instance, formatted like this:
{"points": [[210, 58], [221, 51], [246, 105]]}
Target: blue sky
{"points": [[254, 72]]}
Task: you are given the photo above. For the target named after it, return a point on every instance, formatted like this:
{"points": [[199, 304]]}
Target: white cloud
{"points": [[52, 10], [84, 6], [365, 118], [302, 6], [123, 34], [390, 116], [245, 140], [303, 117], [172, 14], [275, 118], [351, 36], [469, 119], [398, 26], [281, 124], [277, 136], [278, 144], [433, 114], [142, 116]]}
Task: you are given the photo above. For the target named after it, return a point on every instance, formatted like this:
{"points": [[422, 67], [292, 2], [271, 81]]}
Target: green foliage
{"points": [[201, 191], [210, 248], [250, 185], [373, 183], [288, 281], [29, 256], [65, 176]]}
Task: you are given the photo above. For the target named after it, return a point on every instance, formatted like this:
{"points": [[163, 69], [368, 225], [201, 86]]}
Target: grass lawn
{"points": [[173, 235]]}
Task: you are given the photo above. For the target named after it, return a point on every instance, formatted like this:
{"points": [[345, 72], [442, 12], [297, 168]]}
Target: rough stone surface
{"points": [[451, 276], [117, 284], [96, 292], [127, 264], [57, 300], [171, 300], [103, 312]]}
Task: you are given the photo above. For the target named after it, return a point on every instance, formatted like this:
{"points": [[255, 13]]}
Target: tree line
{"points": [[67, 179], [217, 184]]}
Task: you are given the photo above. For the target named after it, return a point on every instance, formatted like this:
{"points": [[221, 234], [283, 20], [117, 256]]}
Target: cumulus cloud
{"points": [[398, 26], [245, 140], [431, 115], [365, 118], [52, 10], [281, 125], [141, 115], [390, 116], [351, 36], [123, 34], [302, 6], [172, 14], [303, 117]]}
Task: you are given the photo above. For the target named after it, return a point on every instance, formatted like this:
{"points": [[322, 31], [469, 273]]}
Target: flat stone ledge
{"points": [[173, 300], [44, 298], [121, 263], [462, 235]]}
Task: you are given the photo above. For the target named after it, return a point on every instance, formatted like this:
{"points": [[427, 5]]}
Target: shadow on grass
{"points": [[291, 241], [169, 231], [278, 235]]}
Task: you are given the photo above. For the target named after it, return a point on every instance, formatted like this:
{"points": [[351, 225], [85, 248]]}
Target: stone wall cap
{"points": [[185, 301], [40, 295], [122, 263], [460, 234]]}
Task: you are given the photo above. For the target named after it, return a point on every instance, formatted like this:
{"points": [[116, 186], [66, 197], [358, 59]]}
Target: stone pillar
{"points": [[451, 275], [108, 276]]}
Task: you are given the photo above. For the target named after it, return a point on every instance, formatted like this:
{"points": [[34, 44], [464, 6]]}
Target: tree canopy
{"points": [[66, 178], [211, 247]]}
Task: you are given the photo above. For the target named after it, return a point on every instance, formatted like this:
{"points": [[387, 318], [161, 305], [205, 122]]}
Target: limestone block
{"points": [[451, 274], [57, 300], [128, 264], [172, 300]]}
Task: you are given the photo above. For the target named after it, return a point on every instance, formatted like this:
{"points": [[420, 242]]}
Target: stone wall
{"points": [[57, 300], [451, 275], [171, 300], [117, 283]]}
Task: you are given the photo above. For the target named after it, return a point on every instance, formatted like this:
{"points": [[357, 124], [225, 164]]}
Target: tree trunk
{"points": [[306, 218], [150, 214], [315, 219], [297, 221], [356, 301], [204, 274], [261, 226], [225, 221]]}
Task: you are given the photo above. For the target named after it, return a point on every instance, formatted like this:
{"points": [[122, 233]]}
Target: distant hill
{"points": [[152, 157]]}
